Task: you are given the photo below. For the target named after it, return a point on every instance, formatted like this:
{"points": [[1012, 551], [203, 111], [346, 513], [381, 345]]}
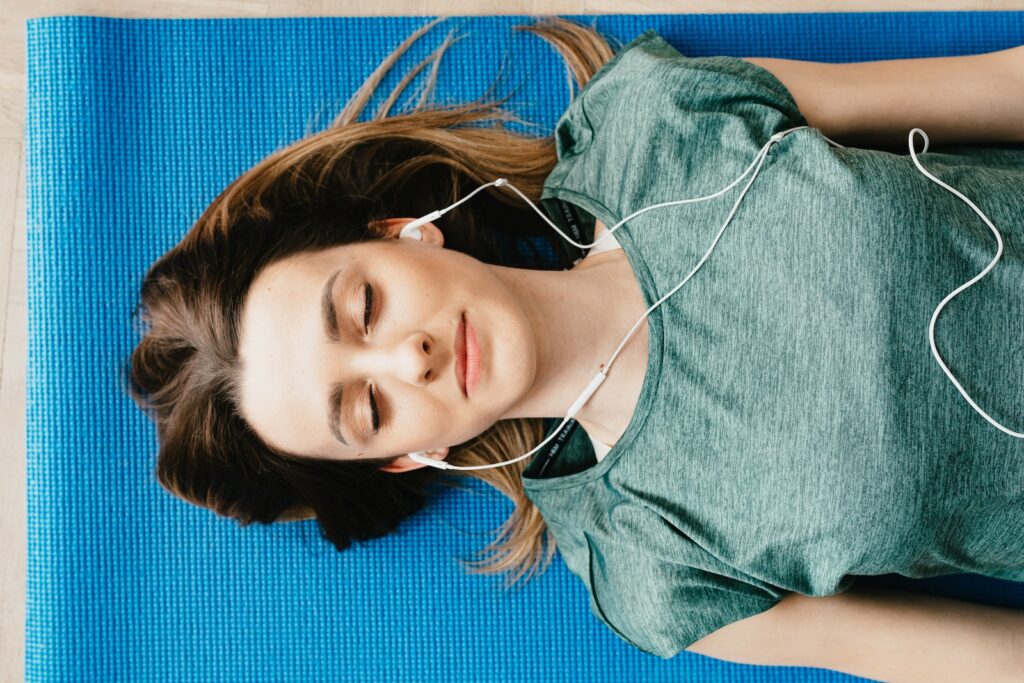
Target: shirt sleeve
{"points": [[726, 84], [649, 73], [651, 115], [662, 607]]}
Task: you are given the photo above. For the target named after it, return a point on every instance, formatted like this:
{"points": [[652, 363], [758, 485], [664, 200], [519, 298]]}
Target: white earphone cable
{"points": [[949, 297], [412, 230]]}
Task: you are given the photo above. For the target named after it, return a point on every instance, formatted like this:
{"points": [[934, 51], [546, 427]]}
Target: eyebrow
{"points": [[330, 320], [327, 311], [334, 412]]}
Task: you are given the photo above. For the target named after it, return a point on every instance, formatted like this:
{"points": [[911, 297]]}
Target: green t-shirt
{"points": [[794, 430]]}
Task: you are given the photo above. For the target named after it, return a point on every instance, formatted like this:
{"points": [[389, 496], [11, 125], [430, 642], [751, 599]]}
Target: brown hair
{"points": [[327, 189]]}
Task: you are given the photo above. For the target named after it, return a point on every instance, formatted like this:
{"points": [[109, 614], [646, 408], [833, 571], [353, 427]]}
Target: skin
{"points": [[542, 336]]}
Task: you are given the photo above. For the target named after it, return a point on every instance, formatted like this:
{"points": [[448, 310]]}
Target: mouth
{"points": [[473, 357], [460, 355]]}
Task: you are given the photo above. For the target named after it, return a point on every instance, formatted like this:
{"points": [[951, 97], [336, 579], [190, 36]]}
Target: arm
{"points": [[880, 634], [955, 100]]}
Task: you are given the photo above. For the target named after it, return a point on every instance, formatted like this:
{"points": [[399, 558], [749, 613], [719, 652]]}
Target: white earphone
{"points": [[412, 231]]}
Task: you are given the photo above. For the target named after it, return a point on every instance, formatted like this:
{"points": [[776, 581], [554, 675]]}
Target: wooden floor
{"points": [[13, 320]]}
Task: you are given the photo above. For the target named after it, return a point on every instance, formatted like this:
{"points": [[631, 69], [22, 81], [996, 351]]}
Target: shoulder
{"points": [[650, 94], [664, 605], [651, 73]]}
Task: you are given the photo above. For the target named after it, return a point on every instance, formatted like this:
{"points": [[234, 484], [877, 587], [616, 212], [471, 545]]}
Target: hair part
{"points": [[330, 188]]}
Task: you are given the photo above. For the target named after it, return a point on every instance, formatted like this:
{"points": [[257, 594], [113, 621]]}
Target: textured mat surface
{"points": [[133, 127]]}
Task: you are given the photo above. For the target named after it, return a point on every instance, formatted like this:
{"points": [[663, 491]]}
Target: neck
{"points": [[578, 322]]}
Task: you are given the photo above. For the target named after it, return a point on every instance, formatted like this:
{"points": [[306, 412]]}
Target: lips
{"points": [[460, 355], [472, 358]]}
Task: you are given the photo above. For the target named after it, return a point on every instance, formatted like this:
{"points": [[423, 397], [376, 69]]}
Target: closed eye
{"points": [[367, 316], [368, 309]]}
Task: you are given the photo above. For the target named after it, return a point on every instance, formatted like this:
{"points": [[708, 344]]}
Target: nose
{"points": [[413, 360]]}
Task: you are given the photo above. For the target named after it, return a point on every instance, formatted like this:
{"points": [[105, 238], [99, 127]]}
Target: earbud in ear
{"points": [[412, 231], [421, 458]]}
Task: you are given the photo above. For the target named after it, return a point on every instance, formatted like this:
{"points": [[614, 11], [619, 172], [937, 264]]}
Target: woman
{"points": [[774, 430]]}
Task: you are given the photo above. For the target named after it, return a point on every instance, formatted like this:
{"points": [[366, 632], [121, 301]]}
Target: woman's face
{"points": [[417, 293]]}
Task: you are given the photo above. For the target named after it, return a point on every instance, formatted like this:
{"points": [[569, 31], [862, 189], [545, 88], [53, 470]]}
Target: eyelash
{"points": [[368, 309], [367, 314]]}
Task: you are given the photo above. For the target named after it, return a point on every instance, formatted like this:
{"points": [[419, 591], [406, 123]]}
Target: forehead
{"points": [[310, 268], [298, 271], [280, 337]]}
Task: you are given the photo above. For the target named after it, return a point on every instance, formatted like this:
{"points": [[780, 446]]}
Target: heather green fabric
{"points": [[794, 430]]}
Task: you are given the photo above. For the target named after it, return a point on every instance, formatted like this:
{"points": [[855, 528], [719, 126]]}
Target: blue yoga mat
{"points": [[133, 127]]}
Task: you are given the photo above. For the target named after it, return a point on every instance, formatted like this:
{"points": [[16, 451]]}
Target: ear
{"points": [[393, 226], [405, 463]]}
